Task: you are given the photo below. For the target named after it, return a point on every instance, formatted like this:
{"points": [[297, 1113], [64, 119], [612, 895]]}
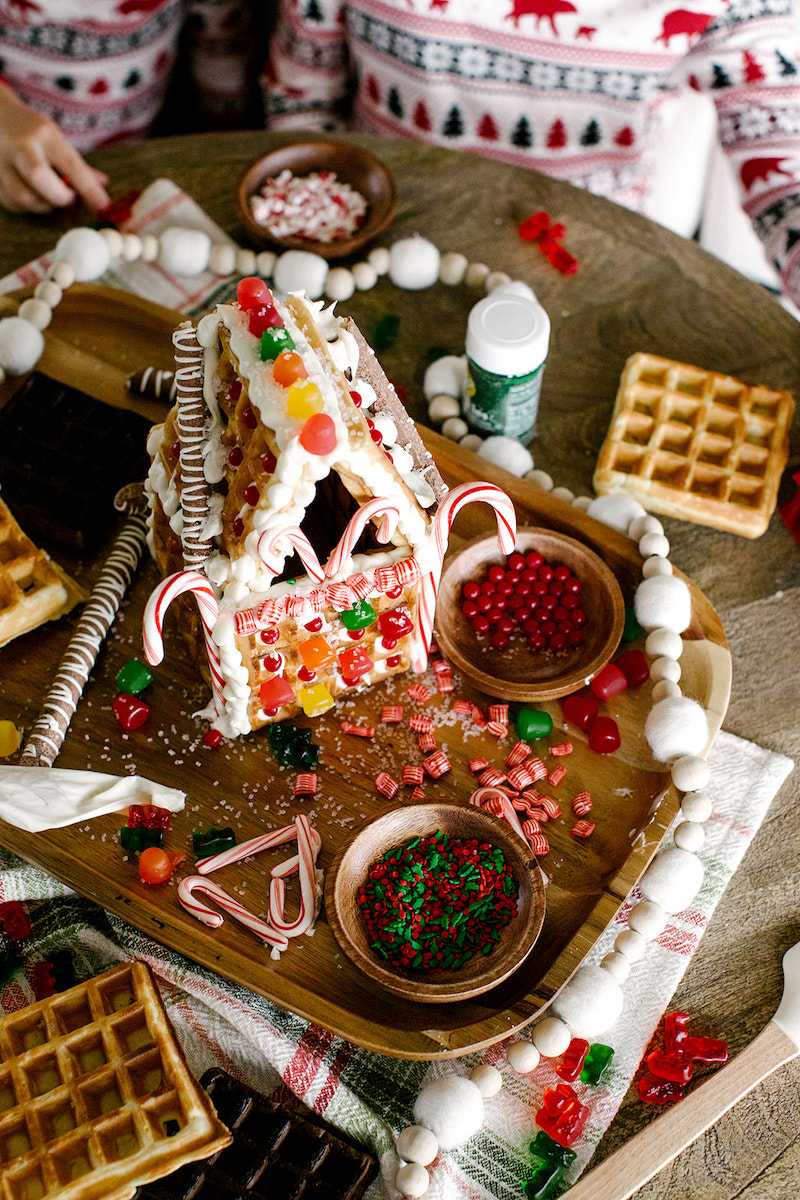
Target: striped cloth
{"points": [[363, 1093]]}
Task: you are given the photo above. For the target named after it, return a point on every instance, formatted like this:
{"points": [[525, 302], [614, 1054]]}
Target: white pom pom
{"points": [[617, 966], [446, 376], [522, 1057], [365, 276], [184, 251], [689, 835], [452, 268], [663, 600], [551, 1037], [487, 1080], [455, 428], [673, 879], [340, 284], [301, 271], [696, 806], [85, 250], [441, 407], [38, 312], [590, 1003], [507, 453], [417, 1144], [648, 919], [222, 259], [21, 345], [452, 1108], [412, 1180], [540, 479], [675, 727], [690, 773], [414, 263], [664, 643], [616, 510]]}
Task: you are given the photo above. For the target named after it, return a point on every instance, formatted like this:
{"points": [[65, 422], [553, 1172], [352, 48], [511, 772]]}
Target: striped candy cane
{"points": [[153, 623], [480, 797], [209, 916], [264, 841], [308, 886], [356, 526], [446, 513], [273, 560]]}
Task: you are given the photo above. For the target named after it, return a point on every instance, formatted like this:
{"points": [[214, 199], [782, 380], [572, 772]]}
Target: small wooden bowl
{"points": [[518, 673], [394, 828], [352, 165]]}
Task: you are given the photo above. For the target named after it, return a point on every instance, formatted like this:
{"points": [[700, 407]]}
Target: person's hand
{"points": [[39, 169]]}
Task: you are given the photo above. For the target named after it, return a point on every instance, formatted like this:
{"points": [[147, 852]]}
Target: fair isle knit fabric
{"points": [[575, 90], [101, 70]]}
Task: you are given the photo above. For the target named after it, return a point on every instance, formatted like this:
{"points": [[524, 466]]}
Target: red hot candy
{"points": [[604, 736], [562, 1116], [130, 711], [571, 1064], [608, 682]]}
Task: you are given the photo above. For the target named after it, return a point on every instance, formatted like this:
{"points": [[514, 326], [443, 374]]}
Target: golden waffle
{"points": [[31, 590], [697, 445], [95, 1094]]}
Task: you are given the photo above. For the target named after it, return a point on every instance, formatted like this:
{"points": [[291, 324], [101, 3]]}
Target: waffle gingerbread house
{"points": [[296, 515]]}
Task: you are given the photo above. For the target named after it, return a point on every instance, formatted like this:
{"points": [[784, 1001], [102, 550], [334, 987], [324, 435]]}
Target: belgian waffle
{"points": [[31, 590], [277, 1154], [697, 445], [95, 1094]]}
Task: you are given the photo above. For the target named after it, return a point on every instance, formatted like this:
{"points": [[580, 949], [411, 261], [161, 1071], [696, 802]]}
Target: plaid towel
{"points": [[366, 1094]]}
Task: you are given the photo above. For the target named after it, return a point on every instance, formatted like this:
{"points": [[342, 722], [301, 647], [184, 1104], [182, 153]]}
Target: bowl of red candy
{"points": [[325, 196], [536, 624], [436, 902]]}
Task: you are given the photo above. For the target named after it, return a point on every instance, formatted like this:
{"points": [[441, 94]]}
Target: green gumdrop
{"points": [[533, 724], [134, 677], [274, 341], [359, 616]]}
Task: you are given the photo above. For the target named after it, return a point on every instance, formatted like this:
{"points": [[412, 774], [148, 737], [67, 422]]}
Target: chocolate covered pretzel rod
{"points": [[191, 430], [80, 656], [152, 381]]}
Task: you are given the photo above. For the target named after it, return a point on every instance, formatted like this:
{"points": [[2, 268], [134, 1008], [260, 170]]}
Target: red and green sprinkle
{"points": [[434, 902]]}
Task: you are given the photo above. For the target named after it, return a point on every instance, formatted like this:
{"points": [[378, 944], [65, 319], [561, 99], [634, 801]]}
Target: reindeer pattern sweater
{"points": [[577, 89]]}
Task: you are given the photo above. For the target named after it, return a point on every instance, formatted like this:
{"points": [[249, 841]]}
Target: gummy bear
{"points": [[572, 1061], [213, 841], [562, 1115], [596, 1063]]}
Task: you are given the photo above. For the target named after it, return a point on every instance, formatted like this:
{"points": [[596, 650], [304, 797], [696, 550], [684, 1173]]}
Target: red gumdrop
{"points": [[608, 682], [580, 709], [318, 435], [263, 318], [130, 711], [604, 735], [252, 292], [634, 666]]}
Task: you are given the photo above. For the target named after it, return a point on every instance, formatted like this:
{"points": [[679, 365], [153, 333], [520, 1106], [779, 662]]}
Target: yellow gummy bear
{"points": [[9, 739], [303, 399], [315, 700]]}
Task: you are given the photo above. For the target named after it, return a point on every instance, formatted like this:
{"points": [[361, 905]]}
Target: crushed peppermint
{"points": [[434, 902], [315, 208]]}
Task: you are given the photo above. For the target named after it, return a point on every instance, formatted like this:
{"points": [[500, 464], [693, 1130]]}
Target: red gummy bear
{"points": [[572, 1062], [562, 1116]]}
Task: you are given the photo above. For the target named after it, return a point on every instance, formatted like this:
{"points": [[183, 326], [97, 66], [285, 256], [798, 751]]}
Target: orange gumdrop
{"points": [[288, 368], [155, 865]]}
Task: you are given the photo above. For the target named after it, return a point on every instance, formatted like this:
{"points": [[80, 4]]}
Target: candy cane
{"points": [[153, 623], [209, 916], [264, 841], [308, 887], [483, 794], [446, 513], [356, 526], [273, 561]]}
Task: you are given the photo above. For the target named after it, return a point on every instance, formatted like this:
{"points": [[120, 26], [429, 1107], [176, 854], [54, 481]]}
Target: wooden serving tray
{"points": [[96, 338]]}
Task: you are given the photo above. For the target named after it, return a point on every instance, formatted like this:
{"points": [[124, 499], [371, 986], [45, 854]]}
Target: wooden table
{"points": [[638, 288]]}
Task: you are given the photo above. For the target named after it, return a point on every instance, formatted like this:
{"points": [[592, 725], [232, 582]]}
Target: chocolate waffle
{"points": [[31, 589], [95, 1094], [277, 1154], [697, 445]]}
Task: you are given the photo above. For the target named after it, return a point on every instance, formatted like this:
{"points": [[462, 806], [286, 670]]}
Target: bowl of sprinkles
{"points": [[436, 902], [325, 196], [535, 625]]}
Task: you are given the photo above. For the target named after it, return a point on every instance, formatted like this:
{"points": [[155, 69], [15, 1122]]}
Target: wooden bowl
{"points": [[352, 165], [518, 673], [394, 828]]}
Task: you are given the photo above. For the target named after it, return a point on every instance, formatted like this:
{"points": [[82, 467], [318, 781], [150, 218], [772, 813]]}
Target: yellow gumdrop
{"points": [[315, 700], [9, 739], [303, 399]]}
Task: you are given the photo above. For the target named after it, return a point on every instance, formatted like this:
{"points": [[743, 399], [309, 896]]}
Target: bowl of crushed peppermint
{"points": [[436, 902]]}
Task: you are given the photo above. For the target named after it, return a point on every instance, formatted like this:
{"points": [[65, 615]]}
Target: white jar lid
{"points": [[508, 334]]}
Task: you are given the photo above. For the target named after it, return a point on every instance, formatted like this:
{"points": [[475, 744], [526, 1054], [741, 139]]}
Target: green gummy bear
{"points": [[596, 1062], [213, 841], [138, 838]]}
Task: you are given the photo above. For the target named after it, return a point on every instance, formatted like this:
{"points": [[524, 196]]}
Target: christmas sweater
{"points": [[578, 90], [101, 70]]}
